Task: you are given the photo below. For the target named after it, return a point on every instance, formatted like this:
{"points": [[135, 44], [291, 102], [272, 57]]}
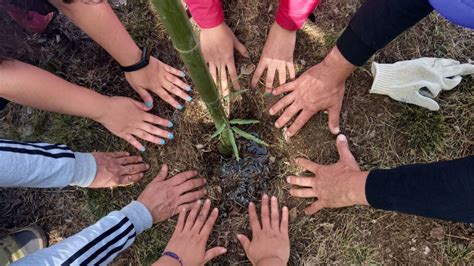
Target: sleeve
{"points": [[443, 190], [98, 244], [292, 14], [376, 23], [206, 13], [42, 165]]}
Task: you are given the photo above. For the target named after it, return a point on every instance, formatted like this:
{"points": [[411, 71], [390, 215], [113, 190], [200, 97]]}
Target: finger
{"points": [[119, 154], [254, 222], [128, 179], [285, 88], [284, 221], [270, 77], [181, 220], [241, 48], [282, 74], [300, 181], [202, 217], [308, 165], [214, 252], [344, 151], [213, 71], [129, 160], [142, 106], [233, 75], [291, 70], [165, 96], [145, 95], [153, 119], [207, 228], [244, 241], [265, 212], [314, 208], [132, 169], [191, 185], [299, 122], [258, 73], [191, 196], [149, 137], [291, 111], [161, 176], [177, 82], [192, 215], [182, 177], [275, 214], [134, 142], [173, 70], [186, 207], [173, 89], [303, 193], [333, 119], [281, 104], [156, 131], [223, 78]]}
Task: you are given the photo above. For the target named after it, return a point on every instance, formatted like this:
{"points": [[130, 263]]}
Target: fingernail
{"points": [[208, 200], [170, 124], [179, 107], [182, 74], [266, 94], [140, 159], [147, 166], [188, 88], [288, 179], [171, 136], [277, 125], [273, 198], [337, 130], [162, 142], [142, 149], [341, 137], [189, 98], [265, 196], [148, 104]]}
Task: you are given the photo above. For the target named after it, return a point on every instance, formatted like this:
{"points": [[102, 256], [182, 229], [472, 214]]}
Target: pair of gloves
{"points": [[418, 81]]}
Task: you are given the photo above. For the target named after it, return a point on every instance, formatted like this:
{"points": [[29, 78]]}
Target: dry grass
{"points": [[382, 133]]}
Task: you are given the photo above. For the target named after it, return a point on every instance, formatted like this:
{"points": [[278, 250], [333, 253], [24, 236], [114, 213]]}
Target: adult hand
{"points": [[128, 119], [337, 185], [165, 198], [117, 169], [319, 88], [162, 80], [270, 243], [277, 55], [217, 45], [190, 237]]}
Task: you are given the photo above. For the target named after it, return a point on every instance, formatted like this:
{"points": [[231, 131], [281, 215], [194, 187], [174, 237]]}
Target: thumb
{"points": [[343, 150], [147, 99], [314, 208], [142, 106], [241, 48], [244, 241], [214, 252], [161, 176], [333, 119]]}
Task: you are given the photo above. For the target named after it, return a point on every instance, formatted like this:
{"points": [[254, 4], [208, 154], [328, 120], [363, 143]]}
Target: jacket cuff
{"points": [[139, 215], [285, 21], [353, 48], [376, 189], [85, 169], [214, 19]]}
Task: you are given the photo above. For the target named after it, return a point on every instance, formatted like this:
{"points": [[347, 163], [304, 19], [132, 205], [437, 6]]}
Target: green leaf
{"points": [[249, 136], [243, 121], [234, 94], [218, 131], [233, 143]]}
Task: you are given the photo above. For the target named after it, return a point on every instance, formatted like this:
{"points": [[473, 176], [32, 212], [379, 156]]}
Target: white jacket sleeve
{"points": [[98, 244]]}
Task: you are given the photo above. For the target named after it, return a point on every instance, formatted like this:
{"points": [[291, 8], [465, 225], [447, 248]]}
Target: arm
{"points": [[292, 14]]}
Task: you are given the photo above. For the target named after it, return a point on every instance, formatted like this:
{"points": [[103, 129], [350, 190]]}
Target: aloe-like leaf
{"points": [[249, 136], [233, 143], [218, 131], [243, 121]]}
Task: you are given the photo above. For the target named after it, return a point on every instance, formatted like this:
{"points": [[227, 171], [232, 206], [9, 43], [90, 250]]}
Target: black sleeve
{"points": [[443, 190], [42, 7], [376, 23]]}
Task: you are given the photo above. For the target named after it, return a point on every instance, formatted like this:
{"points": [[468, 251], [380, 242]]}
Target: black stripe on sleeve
{"points": [[115, 250], [38, 152], [45, 147]]}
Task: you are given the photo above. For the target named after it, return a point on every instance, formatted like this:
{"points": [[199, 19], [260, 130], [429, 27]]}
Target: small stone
{"points": [[285, 134], [199, 146], [426, 250], [270, 8], [302, 62], [272, 159], [437, 233], [412, 249], [293, 214], [247, 69]]}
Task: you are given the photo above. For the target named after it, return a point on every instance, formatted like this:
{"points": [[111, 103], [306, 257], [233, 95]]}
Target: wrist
{"points": [[338, 64], [357, 193], [273, 261], [131, 57], [165, 260], [104, 106]]}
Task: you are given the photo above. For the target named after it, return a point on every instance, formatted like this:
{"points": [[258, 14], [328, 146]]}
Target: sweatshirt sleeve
{"points": [[43, 165], [443, 190], [98, 244], [207, 14], [376, 23], [292, 14]]}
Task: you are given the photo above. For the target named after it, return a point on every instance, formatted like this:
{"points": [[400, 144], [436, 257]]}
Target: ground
{"points": [[382, 133]]}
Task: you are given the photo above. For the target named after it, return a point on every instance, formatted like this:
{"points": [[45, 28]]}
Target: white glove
{"points": [[404, 80]]}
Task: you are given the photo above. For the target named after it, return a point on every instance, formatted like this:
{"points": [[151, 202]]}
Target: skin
{"points": [[99, 21], [190, 237], [217, 46], [270, 243], [319, 88], [277, 56], [337, 185]]}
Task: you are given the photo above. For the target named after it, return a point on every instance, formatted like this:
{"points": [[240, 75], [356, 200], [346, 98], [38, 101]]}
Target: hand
{"points": [[217, 45], [190, 237], [117, 169], [270, 243], [277, 55], [319, 88], [338, 185], [165, 198], [162, 80], [128, 119]]}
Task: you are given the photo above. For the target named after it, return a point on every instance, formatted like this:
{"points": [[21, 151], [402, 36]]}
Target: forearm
{"points": [[271, 261], [42, 165], [98, 244], [443, 190], [207, 14], [376, 23], [39, 89], [103, 26], [292, 14]]}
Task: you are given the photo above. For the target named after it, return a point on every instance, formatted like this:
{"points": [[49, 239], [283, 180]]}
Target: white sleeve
{"points": [[98, 244]]}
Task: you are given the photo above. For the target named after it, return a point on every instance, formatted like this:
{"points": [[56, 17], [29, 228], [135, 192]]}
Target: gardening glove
{"points": [[403, 81]]}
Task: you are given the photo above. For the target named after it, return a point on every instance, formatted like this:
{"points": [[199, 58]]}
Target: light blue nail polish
{"points": [[148, 104], [142, 149], [266, 94], [189, 98], [171, 136], [162, 142], [180, 107], [170, 124], [188, 88]]}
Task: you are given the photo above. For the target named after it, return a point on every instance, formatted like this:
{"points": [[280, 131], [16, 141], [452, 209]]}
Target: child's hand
{"points": [[128, 120], [270, 244], [162, 80], [190, 237]]}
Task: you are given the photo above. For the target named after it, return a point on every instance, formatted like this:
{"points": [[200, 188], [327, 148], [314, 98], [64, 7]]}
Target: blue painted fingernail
{"points": [[189, 98], [142, 149], [180, 107], [188, 88], [148, 104], [162, 142], [266, 94], [171, 136], [170, 124]]}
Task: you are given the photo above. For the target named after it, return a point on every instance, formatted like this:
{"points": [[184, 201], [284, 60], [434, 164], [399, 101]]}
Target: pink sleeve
{"points": [[292, 14], [206, 13]]}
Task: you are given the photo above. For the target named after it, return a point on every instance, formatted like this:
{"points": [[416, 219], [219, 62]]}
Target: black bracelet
{"points": [[174, 256], [144, 61]]}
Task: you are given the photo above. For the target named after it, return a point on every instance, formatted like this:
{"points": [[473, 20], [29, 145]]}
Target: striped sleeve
{"points": [[43, 165], [98, 244]]}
